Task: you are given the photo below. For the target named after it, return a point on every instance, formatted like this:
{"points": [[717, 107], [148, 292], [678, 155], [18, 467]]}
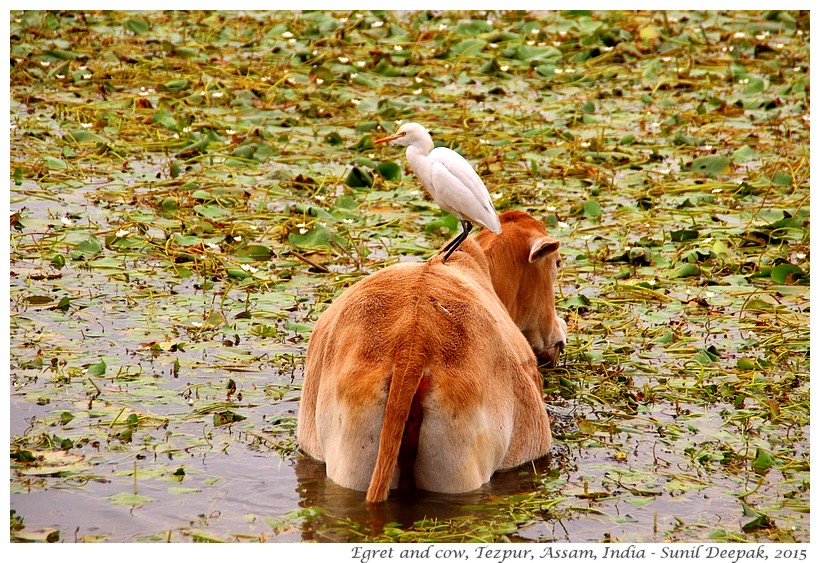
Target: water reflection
{"points": [[316, 490]]}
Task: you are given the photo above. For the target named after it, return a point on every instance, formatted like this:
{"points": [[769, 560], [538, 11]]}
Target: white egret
{"points": [[449, 179]]}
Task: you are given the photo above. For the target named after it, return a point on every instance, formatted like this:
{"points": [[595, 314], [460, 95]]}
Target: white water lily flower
{"points": [[287, 35], [563, 224], [122, 233], [249, 268], [344, 60], [66, 221], [197, 324]]}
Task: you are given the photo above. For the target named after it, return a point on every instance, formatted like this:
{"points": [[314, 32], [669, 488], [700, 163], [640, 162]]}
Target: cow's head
{"points": [[524, 263]]}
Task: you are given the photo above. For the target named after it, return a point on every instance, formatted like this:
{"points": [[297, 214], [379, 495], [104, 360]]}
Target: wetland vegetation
{"points": [[189, 190]]}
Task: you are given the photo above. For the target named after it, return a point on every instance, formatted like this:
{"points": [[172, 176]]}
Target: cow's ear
{"points": [[543, 246]]}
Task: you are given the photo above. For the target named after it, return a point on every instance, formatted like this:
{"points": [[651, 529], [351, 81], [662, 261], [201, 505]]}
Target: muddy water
{"points": [[247, 493], [632, 484]]}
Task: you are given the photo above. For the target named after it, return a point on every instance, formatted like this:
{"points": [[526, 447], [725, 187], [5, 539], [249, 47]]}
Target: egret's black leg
{"points": [[451, 247], [455, 242]]}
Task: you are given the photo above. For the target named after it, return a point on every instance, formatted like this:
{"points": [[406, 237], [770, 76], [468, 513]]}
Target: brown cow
{"points": [[420, 374]]}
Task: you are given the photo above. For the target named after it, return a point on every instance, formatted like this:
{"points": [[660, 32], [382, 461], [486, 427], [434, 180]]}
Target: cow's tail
{"points": [[408, 371]]}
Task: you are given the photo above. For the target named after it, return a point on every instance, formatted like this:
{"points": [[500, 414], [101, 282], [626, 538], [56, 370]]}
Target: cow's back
{"points": [[478, 369]]}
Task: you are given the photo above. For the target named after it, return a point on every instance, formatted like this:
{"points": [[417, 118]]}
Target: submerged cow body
{"points": [[424, 374]]}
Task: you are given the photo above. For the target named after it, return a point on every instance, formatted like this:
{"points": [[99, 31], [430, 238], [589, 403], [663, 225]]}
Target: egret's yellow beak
{"points": [[390, 137]]}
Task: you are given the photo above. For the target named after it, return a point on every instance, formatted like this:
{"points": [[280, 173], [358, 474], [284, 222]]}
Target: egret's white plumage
{"points": [[449, 179]]}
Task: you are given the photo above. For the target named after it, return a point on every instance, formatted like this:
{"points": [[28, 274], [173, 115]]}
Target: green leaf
{"points": [[138, 26], [577, 302], [91, 246], [211, 211], [314, 211], [63, 54], [55, 163], [359, 178], [130, 499], [226, 417], [183, 490], [58, 261], [711, 165], [318, 237], [186, 240], [786, 274], [747, 364], [468, 47], [682, 235], [528, 52], [97, 369], [84, 136], [298, 327], [257, 252], [163, 117], [743, 154], [782, 179], [763, 461], [389, 170], [176, 85], [592, 209], [685, 270]]}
